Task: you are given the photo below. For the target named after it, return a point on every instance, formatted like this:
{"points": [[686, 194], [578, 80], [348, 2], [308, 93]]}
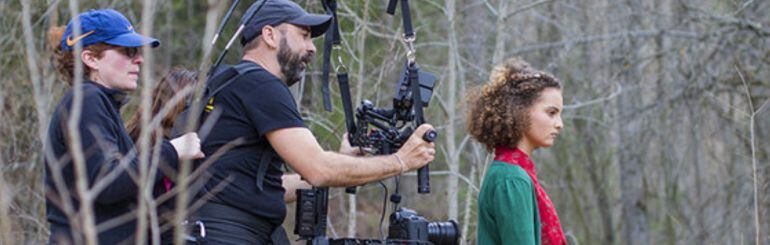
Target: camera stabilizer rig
{"points": [[390, 129]]}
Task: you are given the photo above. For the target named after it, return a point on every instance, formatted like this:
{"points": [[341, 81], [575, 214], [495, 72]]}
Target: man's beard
{"points": [[291, 63]]}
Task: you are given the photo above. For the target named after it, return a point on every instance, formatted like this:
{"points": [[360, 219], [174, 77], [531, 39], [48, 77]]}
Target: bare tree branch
{"points": [[757, 229]]}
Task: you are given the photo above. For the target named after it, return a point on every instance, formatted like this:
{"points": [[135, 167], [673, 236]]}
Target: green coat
{"points": [[508, 207]]}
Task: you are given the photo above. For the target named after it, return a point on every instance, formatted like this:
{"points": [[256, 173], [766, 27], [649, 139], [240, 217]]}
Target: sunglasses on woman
{"points": [[129, 52]]}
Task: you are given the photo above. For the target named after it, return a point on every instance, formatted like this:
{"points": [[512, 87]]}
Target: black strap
{"points": [[325, 73], [240, 69], [405, 15], [335, 28], [267, 155], [391, 10], [264, 162], [220, 82], [347, 106], [214, 85], [332, 37]]}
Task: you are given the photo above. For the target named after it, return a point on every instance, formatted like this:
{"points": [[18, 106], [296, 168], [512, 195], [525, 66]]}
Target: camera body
{"points": [[406, 227]]}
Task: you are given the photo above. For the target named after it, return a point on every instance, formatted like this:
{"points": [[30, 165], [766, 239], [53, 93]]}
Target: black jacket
{"points": [[105, 144]]}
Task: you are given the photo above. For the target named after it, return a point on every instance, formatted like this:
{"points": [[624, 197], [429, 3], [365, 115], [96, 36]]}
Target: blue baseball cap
{"points": [[105, 25], [275, 12]]}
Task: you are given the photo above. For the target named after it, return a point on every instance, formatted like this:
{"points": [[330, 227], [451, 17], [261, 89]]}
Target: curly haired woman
{"points": [[518, 111]]}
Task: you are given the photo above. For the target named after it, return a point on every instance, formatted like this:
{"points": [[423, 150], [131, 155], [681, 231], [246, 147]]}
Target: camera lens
{"points": [[446, 232]]}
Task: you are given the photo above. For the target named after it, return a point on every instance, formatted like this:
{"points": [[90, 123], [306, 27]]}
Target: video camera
{"points": [[391, 128], [406, 227]]}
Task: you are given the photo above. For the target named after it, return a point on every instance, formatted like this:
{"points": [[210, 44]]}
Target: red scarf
{"points": [[550, 226], [167, 183]]}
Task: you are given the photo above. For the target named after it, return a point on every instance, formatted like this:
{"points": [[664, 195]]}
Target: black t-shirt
{"points": [[252, 105]]}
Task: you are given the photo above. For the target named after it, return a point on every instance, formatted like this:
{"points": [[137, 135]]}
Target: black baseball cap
{"points": [[276, 12]]}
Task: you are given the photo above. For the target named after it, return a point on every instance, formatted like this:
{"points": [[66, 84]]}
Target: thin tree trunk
{"points": [[500, 24], [631, 166], [87, 223], [635, 228], [361, 53], [470, 197], [145, 185], [697, 156], [185, 167], [5, 220], [168, 54], [451, 129]]}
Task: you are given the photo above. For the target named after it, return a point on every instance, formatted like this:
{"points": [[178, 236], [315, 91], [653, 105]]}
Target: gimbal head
{"points": [[391, 127]]}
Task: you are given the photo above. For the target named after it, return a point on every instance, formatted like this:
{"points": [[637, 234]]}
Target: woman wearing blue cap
{"points": [[111, 61]]}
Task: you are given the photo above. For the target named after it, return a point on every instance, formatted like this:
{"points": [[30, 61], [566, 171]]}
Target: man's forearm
{"points": [[339, 170], [301, 151]]}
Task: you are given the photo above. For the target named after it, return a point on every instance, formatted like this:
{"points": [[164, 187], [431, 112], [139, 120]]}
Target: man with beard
{"points": [[259, 111]]}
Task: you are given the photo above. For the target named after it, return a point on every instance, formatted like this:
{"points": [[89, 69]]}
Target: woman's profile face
{"points": [[118, 68], [545, 119]]}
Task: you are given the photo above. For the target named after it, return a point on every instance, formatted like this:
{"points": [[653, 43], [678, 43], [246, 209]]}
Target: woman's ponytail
{"points": [[63, 60]]}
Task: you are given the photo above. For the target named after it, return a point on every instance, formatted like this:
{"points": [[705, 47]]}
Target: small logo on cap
{"points": [[130, 28], [71, 42]]}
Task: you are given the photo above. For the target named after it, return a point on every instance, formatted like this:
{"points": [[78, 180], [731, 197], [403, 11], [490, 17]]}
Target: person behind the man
{"points": [[259, 109]]}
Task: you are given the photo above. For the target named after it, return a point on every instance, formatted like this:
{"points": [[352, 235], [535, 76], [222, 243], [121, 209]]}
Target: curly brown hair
{"points": [[65, 60], [498, 110]]}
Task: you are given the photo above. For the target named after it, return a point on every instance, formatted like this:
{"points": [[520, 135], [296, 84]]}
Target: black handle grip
{"points": [[423, 173], [423, 181]]}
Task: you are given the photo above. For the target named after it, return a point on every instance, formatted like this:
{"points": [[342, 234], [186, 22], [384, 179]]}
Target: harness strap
{"points": [[331, 38], [264, 162], [267, 156], [240, 69], [213, 87], [347, 106], [405, 14]]}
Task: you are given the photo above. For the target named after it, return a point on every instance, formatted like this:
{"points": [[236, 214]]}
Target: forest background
{"points": [[667, 126]]}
